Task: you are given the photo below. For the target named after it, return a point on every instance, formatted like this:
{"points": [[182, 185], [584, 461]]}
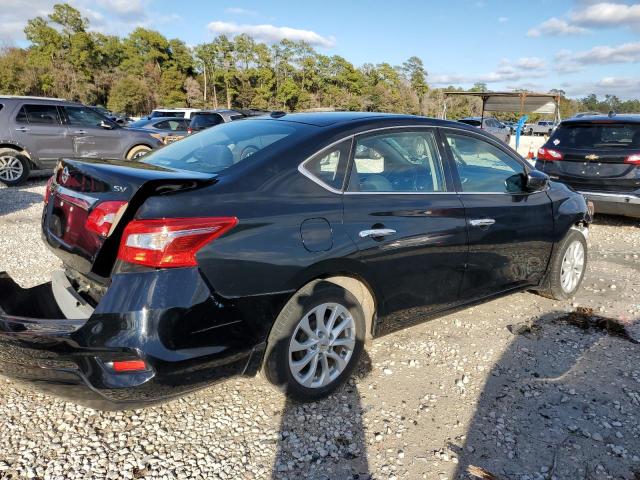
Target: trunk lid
{"points": [[79, 187]]}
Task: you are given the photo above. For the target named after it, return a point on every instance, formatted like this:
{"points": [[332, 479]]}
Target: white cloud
{"points": [[534, 63], [271, 34], [623, 87], [555, 26], [240, 11], [607, 14], [124, 8], [503, 19], [507, 71], [567, 61]]}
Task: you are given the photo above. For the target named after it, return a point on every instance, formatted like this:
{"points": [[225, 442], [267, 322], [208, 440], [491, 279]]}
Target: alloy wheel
{"points": [[11, 168], [572, 266], [322, 345]]}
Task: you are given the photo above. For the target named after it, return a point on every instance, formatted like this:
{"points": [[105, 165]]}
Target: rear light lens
{"points": [[549, 154], [103, 216], [633, 159], [189, 131], [47, 190], [170, 242], [124, 366]]}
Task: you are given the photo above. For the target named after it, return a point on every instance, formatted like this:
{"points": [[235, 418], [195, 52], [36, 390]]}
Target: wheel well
{"points": [[363, 293], [138, 145], [19, 149]]}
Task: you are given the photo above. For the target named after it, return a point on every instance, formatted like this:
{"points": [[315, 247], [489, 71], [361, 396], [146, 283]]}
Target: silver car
{"points": [[490, 125], [35, 132]]}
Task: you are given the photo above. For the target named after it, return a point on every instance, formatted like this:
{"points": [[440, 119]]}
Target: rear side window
{"points": [[217, 149], [171, 125], [597, 135], [330, 165], [397, 162], [39, 114]]}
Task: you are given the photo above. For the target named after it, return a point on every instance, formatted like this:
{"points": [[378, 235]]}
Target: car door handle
{"points": [[80, 132], [377, 232], [482, 222], [22, 129]]}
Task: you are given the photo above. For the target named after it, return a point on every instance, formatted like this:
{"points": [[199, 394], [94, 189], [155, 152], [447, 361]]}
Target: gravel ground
{"points": [[508, 386]]}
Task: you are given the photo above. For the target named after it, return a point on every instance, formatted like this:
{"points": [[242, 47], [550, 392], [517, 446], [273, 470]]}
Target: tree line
{"points": [[143, 70]]}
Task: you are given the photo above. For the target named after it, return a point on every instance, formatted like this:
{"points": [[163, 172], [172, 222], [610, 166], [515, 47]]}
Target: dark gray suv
{"points": [[35, 132]]}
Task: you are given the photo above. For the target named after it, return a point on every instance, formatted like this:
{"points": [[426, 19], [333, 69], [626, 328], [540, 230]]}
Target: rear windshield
{"points": [[205, 120], [216, 149], [597, 135]]}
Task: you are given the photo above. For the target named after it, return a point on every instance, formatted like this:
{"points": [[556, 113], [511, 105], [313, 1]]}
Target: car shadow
{"points": [[615, 220], [557, 405], [14, 199], [325, 439]]}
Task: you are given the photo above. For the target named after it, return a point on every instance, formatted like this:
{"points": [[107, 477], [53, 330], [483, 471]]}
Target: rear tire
{"points": [[310, 366], [567, 268], [138, 151], [14, 167]]}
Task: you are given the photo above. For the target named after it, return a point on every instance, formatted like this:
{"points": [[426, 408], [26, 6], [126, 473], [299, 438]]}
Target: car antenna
{"points": [[278, 114], [612, 113]]}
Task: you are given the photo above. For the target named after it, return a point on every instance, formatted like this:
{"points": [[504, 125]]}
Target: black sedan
{"points": [[167, 129], [200, 262]]}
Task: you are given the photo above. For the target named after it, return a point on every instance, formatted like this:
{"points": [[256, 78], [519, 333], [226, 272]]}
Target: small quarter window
{"points": [[330, 165]]}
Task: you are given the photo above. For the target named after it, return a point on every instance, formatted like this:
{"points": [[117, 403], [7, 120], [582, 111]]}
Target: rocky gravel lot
{"points": [[510, 387]]}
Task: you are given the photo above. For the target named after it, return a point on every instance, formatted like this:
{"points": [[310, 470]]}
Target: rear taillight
{"points": [[549, 154], [103, 216], [170, 242], [633, 159], [47, 190], [189, 131]]}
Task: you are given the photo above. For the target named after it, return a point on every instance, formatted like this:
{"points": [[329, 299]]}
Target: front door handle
{"points": [[482, 222], [22, 129], [377, 232], [80, 132]]}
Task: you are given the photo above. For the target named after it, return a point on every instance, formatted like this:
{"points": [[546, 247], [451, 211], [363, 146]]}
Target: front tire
{"points": [[137, 152], [315, 342], [14, 167], [567, 268]]}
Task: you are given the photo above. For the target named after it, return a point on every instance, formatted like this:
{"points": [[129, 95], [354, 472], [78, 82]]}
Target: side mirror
{"points": [[536, 181], [106, 125]]}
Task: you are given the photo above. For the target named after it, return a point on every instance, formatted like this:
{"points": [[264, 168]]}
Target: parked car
{"points": [[167, 129], [36, 132], [198, 263], [542, 127], [173, 112], [209, 118], [120, 119], [598, 155], [490, 125]]}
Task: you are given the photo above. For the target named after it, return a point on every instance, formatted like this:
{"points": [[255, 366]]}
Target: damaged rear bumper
{"points": [[151, 316]]}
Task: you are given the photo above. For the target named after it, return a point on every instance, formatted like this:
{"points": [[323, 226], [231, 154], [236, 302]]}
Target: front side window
{"points": [[483, 167], [39, 114], [397, 162], [330, 165], [83, 117]]}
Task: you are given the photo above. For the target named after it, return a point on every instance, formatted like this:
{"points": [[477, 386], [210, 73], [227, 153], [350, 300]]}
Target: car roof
{"points": [[476, 118], [621, 118], [359, 119]]}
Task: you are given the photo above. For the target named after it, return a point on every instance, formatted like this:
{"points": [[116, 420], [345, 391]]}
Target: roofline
{"points": [[502, 94], [35, 97]]}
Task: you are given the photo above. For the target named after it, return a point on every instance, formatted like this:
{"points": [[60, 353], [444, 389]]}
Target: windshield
{"points": [[594, 135], [216, 149]]}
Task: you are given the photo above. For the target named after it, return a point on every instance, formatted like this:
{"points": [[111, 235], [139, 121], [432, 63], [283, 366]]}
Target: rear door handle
{"points": [[80, 132], [377, 232], [22, 129], [482, 222]]}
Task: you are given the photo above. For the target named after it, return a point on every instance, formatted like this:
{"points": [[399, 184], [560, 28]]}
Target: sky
{"points": [[579, 46]]}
